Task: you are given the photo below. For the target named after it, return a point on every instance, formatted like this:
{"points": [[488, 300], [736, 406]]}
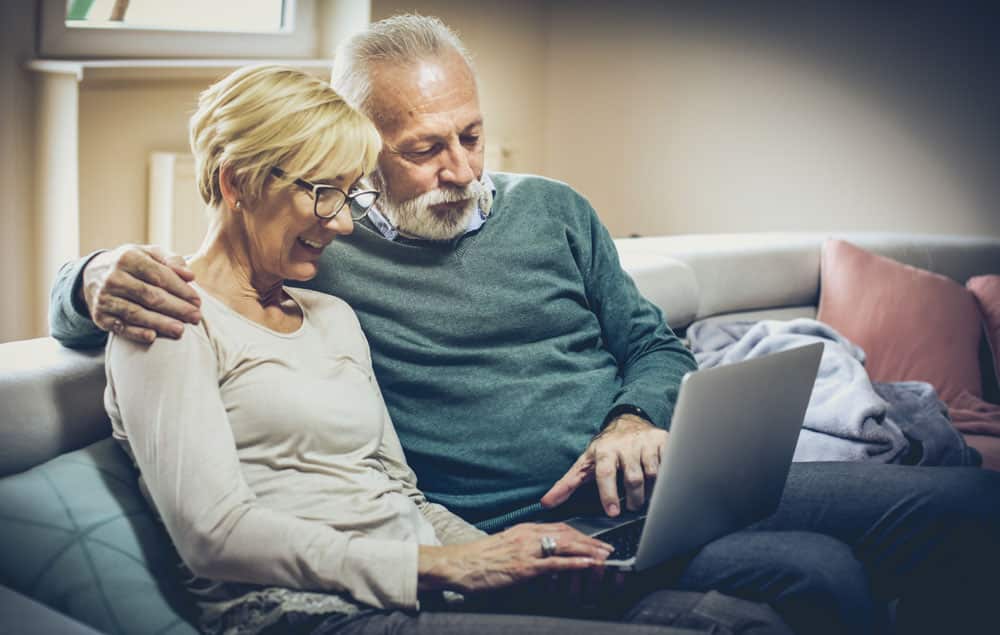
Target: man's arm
{"points": [[651, 361], [139, 291], [69, 320]]}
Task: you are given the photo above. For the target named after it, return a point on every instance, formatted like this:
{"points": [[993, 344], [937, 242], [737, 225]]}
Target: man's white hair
{"points": [[400, 40]]}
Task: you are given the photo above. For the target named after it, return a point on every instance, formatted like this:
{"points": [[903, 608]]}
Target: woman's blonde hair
{"points": [[266, 116]]}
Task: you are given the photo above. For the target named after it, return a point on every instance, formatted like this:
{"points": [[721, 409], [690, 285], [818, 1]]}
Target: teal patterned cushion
{"points": [[77, 535]]}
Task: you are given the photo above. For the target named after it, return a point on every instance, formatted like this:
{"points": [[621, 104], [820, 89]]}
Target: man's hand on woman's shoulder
{"points": [[140, 292]]}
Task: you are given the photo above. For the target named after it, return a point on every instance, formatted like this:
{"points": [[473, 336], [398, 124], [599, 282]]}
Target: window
{"points": [[178, 28], [238, 16]]}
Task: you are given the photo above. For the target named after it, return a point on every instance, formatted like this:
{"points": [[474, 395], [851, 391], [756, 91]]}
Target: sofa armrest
{"points": [[51, 401]]}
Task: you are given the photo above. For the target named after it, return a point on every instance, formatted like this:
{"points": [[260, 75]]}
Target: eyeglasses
{"points": [[329, 200]]}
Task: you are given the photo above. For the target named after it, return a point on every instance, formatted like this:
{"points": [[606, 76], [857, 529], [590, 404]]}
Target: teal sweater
{"points": [[500, 353]]}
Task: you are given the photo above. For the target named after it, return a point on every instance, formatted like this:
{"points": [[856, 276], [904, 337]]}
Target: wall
{"points": [[671, 117], [121, 123], [17, 94], [702, 117], [117, 118], [677, 117]]}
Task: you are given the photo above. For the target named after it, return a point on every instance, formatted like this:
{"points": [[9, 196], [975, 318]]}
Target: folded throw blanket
{"points": [[848, 418]]}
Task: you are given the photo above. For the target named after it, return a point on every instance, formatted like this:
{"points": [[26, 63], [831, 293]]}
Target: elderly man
{"points": [[519, 363]]}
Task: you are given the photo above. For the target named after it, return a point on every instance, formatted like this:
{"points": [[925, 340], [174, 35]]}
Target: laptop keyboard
{"points": [[624, 539]]}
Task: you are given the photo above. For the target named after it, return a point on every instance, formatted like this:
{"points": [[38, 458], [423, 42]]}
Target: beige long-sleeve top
{"points": [[271, 457]]}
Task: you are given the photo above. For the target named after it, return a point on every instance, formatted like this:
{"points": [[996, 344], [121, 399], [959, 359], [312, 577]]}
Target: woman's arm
{"points": [[167, 398], [470, 560], [514, 555]]}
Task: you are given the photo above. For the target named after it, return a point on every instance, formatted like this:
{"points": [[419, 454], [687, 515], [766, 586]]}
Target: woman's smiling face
{"points": [[284, 237]]}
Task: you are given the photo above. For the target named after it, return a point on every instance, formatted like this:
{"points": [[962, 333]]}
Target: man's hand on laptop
{"points": [[629, 444], [140, 292]]}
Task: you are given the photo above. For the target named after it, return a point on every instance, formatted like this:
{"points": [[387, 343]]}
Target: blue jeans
{"points": [[659, 613], [848, 538]]}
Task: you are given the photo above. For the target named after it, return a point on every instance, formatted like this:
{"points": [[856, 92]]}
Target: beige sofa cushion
{"points": [[741, 272], [666, 282], [769, 270]]}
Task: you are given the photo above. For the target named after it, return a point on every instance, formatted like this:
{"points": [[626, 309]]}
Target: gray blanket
{"points": [[849, 418]]}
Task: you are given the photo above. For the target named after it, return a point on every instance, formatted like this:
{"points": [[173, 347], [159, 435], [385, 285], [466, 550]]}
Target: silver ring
{"points": [[548, 546], [117, 327]]}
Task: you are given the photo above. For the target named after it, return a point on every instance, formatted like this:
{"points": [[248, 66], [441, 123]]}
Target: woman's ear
{"points": [[230, 195]]}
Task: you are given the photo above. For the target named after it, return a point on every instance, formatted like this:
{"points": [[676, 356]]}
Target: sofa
{"points": [[81, 552]]}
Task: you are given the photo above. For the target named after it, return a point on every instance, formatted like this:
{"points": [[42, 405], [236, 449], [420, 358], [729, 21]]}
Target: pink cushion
{"points": [[911, 323], [988, 448], [987, 292], [972, 415]]}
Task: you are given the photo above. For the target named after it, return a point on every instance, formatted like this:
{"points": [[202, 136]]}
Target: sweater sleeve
{"points": [[167, 401], [651, 359], [69, 322]]}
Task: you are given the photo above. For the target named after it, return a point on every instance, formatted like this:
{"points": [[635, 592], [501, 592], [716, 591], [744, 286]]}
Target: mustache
{"points": [[447, 194]]}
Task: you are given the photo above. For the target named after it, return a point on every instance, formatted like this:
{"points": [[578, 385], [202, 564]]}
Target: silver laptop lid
{"points": [[732, 438]]}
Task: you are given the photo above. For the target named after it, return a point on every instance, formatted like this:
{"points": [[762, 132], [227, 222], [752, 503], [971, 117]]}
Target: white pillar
{"points": [[57, 191]]}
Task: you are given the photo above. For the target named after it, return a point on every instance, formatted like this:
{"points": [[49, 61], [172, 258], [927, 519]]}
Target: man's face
{"points": [[432, 132]]}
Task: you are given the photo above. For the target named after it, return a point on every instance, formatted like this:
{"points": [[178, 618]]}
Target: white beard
{"points": [[414, 217]]}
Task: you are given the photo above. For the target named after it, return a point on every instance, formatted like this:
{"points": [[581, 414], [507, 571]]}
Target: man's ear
{"points": [[227, 186]]}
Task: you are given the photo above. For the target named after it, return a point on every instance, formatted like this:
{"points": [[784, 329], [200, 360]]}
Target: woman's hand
{"points": [[509, 557]]}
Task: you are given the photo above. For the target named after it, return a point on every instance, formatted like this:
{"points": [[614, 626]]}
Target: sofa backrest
{"points": [[51, 398], [753, 276], [723, 274]]}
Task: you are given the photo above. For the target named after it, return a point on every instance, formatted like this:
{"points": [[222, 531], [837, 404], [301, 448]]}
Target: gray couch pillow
{"points": [[77, 535]]}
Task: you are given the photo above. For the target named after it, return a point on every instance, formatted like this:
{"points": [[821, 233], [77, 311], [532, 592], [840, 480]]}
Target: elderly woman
{"points": [[261, 436]]}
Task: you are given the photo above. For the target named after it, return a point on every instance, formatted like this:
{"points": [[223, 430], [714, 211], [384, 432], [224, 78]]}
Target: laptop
{"points": [[732, 438]]}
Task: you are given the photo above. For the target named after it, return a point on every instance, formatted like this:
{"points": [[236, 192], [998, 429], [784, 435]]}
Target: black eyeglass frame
{"points": [[314, 188]]}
